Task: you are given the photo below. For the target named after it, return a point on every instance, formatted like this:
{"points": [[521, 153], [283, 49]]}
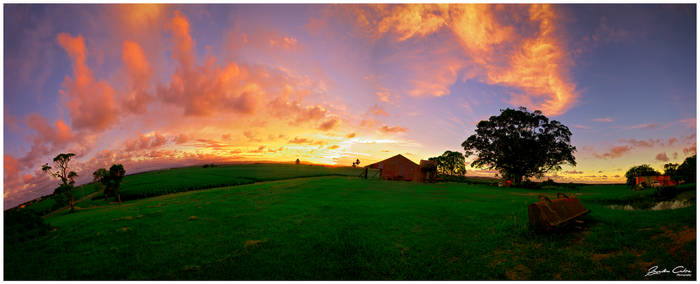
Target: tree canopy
{"points": [[110, 180], [520, 144], [687, 170], [62, 171], [450, 163]]}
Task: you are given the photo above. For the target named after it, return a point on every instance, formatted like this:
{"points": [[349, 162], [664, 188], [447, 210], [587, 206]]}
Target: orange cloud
{"points": [[604, 119], [91, 103], [393, 129], [329, 124], [536, 62], [140, 71], [204, 90], [298, 140]]}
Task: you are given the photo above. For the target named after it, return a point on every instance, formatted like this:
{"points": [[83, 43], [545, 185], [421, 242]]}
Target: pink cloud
{"points": [[205, 89], [11, 167], [644, 126], [144, 142], [614, 152], [662, 157], [603, 119], [140, 71], [643, 143], [376, 110], [690, 149], [90, 103]]}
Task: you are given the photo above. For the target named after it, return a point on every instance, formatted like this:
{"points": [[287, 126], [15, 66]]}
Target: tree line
{"points": [[685, 172]]}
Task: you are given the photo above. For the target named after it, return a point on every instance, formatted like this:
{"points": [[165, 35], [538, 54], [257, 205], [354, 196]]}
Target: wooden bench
{"points": [[547, 214]]}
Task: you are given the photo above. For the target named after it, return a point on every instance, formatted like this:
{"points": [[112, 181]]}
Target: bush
{"points": [[22, 225], [530, 184]]}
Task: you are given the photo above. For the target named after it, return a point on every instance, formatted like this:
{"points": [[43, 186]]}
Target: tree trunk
{"points": [[119, 197], [70, 202]]}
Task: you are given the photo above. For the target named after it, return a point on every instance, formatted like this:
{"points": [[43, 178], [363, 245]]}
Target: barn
{"points": [[656, 181], [401, 168]]}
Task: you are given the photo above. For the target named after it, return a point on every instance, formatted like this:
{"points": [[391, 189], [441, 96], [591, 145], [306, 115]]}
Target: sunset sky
{"points": [[153, 86]]}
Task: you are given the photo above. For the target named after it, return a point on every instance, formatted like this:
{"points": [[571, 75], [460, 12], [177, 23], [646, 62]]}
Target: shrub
{"points": [[530, 184], [22, 225]]}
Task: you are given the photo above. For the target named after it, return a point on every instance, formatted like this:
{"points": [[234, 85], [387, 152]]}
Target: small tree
{"points": [[101, 179], [297, 162], [670, 170], [450, 163], [639, 171], [66, 176], [357, 162], [116, 174], [520, 144]]}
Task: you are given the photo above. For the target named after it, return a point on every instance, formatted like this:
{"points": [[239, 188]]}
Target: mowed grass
{"points": [[350, 228], [168, 181]]}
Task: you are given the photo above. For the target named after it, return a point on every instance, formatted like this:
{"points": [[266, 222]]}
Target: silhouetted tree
{"points": [[297, 162], [639, 171], [450, 163], [357, 162], [686, 171], [520, 144], [66, 176], [116, 174], [670, 170]]}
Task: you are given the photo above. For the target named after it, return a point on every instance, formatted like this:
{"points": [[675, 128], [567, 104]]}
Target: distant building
{"points": [[655, 181], [401, 168]]}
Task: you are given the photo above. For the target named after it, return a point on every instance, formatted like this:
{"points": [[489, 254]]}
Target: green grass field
{"points": [[338, 227], [168, 181]]}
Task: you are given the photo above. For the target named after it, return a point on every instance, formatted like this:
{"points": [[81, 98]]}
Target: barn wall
{"points": [[399, 168]]}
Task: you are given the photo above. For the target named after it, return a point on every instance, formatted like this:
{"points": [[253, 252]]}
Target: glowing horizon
{"points": [[154, 86]]}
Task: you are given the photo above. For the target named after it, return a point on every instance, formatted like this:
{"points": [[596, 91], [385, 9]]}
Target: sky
{"points": [[157, 86]]}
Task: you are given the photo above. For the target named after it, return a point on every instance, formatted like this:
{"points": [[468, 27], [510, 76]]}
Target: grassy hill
{"points": [[174, 180], [337, 227]]}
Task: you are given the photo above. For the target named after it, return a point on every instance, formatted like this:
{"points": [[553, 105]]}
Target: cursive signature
{"points": [[678, 271]]}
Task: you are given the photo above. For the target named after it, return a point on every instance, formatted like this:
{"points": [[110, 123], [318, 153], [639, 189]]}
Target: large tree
{"points": [[63, 172], [687, 170], [450, 163], [520, 144]]}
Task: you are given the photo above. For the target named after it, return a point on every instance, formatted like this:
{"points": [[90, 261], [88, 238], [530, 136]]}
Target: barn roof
{"points": [[399, 156]]}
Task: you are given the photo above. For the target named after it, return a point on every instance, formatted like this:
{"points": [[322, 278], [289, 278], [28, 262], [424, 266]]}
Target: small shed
{"points": [[655, 181], [397, 168], [428, 171]]}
